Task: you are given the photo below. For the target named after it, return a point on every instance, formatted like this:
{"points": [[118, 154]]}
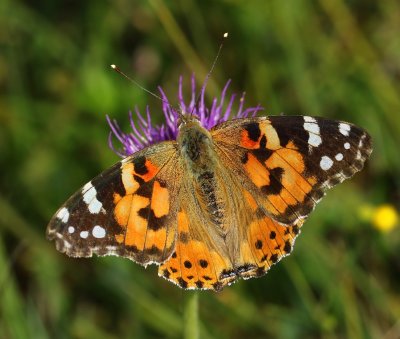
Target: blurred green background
{"points": [[337, 59]]}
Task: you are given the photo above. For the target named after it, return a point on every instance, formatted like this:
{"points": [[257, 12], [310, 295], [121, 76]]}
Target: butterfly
{"points": [[213, 205]]}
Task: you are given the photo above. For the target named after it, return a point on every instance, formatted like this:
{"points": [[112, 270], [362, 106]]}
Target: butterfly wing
{"points": [[288, 162], [272, 172], [129, 210], [283, 166]]}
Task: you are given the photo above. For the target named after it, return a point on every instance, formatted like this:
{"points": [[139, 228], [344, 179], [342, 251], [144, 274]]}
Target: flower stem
{"points": [[191, 316]]}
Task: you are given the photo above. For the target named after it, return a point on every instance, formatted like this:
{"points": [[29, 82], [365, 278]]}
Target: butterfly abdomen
{"points": [[201, 163], [214, 206]]}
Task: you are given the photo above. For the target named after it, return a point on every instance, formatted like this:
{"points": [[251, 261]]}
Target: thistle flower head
{"points": [[143, 133]]}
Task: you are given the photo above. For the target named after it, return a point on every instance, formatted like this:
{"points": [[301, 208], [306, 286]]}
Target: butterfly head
{"points": [[185, 118]]}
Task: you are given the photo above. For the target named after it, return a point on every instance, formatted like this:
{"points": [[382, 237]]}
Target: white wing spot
{"points": [[95, 206], [71, 229], [326, 163], [89, 197], [347, 145], [339, 157], [84, 234], [89, 192], [311, 126], [63, 215], [98, 232], [87, 187], [309, 119], [314, 140], [344, 129]]}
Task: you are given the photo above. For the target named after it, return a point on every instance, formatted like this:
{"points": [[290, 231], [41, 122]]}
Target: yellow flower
{"points": [[385, 218]]}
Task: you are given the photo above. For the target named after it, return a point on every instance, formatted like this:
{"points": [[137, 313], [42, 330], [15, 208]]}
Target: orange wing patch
{"points": [[150, 171], [160, 200], [257, 172], [246, 141], [136, 227]]}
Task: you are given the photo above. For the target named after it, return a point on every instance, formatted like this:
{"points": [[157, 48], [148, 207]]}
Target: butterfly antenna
{"points": [[210, 72], [118, 70]]}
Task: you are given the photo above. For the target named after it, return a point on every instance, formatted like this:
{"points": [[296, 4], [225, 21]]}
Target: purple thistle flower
{"points": [[144, 134]]}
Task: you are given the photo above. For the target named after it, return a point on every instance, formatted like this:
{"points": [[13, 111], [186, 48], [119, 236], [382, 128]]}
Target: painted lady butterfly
{"points": [[212, 206]]}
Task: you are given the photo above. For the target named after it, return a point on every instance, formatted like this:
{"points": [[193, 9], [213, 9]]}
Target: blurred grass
{"points": [[338, 59]]}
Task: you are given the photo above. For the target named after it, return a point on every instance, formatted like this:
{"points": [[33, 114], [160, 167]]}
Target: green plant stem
{"points": [[191, 316]]}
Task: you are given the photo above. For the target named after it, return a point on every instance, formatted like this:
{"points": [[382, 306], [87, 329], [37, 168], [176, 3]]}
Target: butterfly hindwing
{"points": [[127, 210], [290, 161]]}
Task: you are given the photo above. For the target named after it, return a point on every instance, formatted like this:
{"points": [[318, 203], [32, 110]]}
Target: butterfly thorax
{"points": [[196, 147], [201, 164]]}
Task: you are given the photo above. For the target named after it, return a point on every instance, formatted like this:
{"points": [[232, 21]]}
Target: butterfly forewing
{"points": [[127, 210], [287, 163]]}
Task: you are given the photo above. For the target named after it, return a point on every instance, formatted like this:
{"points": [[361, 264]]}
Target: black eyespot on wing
{"points": [[139, 165], [253, 130]]}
